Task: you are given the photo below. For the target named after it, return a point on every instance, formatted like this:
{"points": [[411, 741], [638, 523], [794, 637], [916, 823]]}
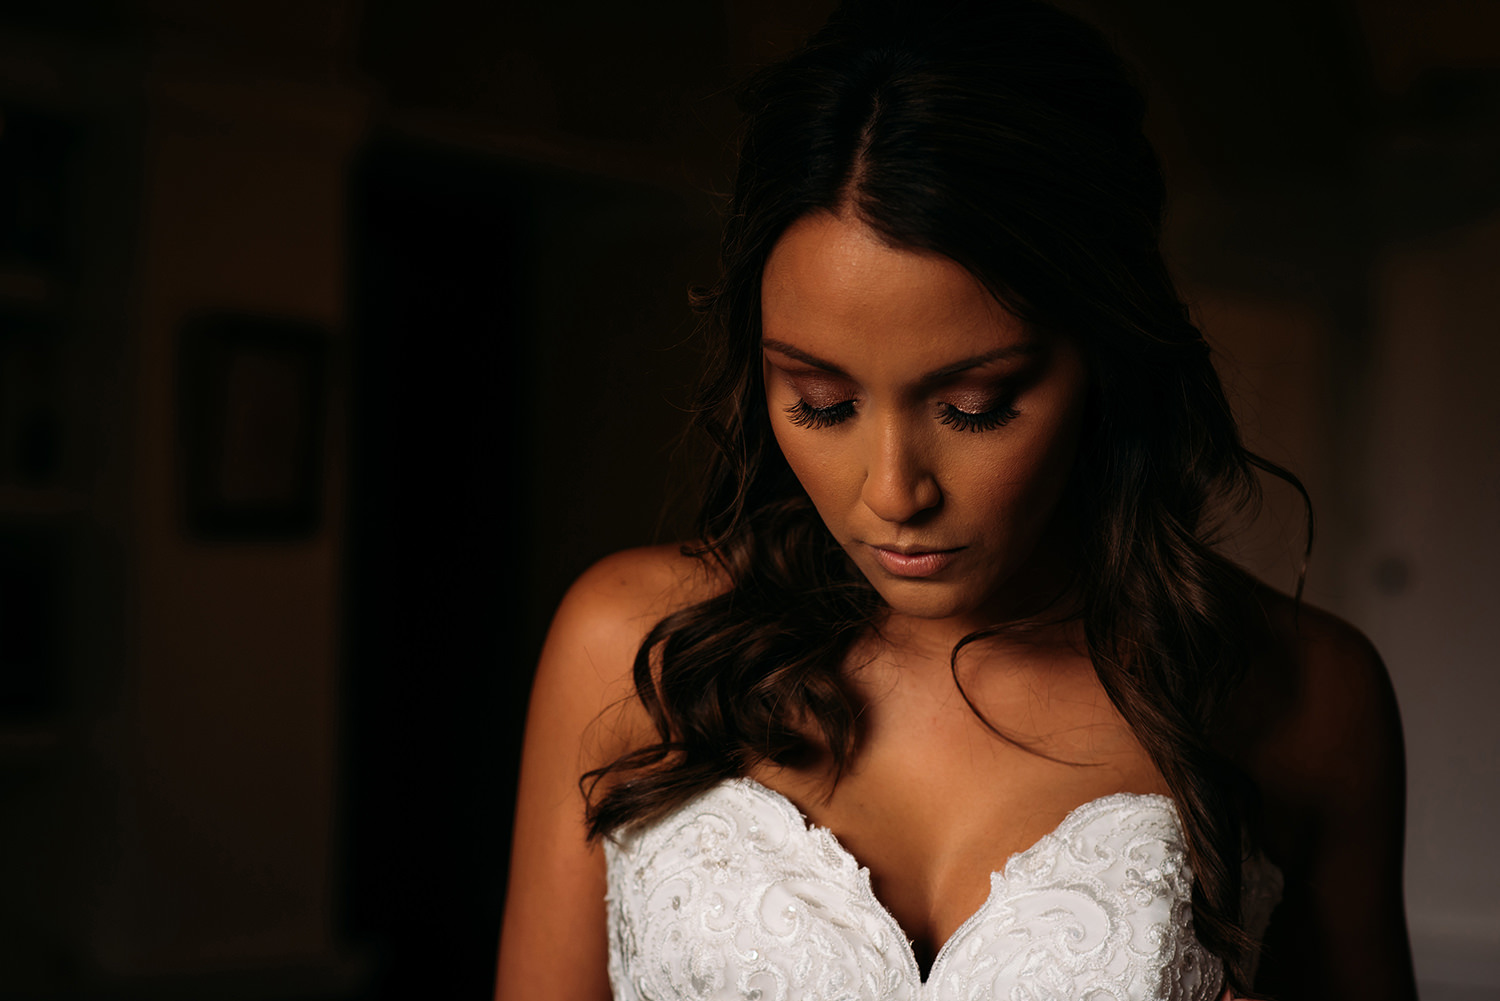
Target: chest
{"points": [[934, 802]]}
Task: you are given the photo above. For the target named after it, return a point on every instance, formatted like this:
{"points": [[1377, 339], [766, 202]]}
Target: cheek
{"points": [[1045, 463], [1018, 484], [828, 476], [813, 460]]}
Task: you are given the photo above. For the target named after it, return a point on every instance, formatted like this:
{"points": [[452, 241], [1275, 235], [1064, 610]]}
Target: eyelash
{"points": [[962, 420], [805, 415]]}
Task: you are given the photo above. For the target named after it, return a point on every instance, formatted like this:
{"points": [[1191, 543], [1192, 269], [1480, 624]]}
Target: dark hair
{"points": [[1006, 136]]}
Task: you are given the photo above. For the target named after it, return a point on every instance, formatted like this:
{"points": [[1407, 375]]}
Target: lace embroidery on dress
{"points": [[734, 896]]}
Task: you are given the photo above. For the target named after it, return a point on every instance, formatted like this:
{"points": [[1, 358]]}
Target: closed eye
{"points": [[805, 415], [988, 420]]}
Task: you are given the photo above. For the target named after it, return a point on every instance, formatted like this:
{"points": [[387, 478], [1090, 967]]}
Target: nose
{"points": [[899, 482]]}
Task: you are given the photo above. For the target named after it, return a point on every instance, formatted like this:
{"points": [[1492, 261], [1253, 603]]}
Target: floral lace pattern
{"points": [[734, 896]]}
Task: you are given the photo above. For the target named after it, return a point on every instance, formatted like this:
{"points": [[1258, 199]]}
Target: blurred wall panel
{"points": [[225, 849], [1423, 579]]}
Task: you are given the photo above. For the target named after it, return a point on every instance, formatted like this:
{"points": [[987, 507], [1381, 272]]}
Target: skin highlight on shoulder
{"points": [[605, 616], [646, 582]]}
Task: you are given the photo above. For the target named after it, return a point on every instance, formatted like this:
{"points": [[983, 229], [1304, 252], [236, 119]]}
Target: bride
{"points": [[952, 696]]}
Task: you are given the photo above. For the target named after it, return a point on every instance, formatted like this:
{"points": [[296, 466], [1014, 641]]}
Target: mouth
{"points": [[912, 561]]}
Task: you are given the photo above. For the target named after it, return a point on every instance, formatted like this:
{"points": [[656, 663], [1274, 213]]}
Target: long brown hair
{"points": [[1006, 136]]}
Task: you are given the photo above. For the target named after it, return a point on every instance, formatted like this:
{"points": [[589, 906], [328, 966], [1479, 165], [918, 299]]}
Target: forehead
{"points": [[833, 286]]}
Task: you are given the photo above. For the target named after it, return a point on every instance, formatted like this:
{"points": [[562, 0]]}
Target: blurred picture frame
{"points": [[252, 401]]}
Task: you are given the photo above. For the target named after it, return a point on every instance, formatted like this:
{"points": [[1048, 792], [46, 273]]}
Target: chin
{"points": [[926, 600]]}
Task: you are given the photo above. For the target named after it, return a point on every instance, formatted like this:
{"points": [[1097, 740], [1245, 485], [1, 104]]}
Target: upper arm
{"points": [[1334, 785], [582, 714]]}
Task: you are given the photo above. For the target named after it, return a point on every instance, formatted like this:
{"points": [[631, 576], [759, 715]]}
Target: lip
{"points": [[913, 562]]}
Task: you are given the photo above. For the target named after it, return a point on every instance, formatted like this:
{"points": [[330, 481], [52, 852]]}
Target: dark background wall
{"points": [[337, 337]]}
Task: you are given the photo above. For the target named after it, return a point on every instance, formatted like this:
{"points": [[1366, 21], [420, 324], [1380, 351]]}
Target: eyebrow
{"points": [[937, 375]]}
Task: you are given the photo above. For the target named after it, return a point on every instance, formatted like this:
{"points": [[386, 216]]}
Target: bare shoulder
{"points": [[1320, 735], [587, 663], [615, 602], [1319, 722]]}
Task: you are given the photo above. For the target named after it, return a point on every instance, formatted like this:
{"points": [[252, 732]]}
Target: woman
{"points": [[952, 697]]}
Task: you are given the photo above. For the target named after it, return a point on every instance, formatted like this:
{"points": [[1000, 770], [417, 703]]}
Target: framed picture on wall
{"points": [[252, 400]]}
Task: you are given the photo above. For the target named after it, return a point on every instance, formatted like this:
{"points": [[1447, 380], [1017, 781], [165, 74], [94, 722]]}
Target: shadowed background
{"points": [[337, 337]]}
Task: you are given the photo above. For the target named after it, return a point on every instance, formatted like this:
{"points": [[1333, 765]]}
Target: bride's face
{"points": [[933, 431]]}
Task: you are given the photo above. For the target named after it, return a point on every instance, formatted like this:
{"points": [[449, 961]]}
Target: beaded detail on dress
{"points": [[734, 896]]}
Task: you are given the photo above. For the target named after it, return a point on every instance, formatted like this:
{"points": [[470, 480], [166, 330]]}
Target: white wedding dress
{"points": [[734, 896]]}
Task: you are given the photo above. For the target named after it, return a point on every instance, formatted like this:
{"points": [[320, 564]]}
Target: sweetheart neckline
{"points": [[998, 877]]}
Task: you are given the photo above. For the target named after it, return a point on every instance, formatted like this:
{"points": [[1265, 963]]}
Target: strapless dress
{"points": [[734, 896]]}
